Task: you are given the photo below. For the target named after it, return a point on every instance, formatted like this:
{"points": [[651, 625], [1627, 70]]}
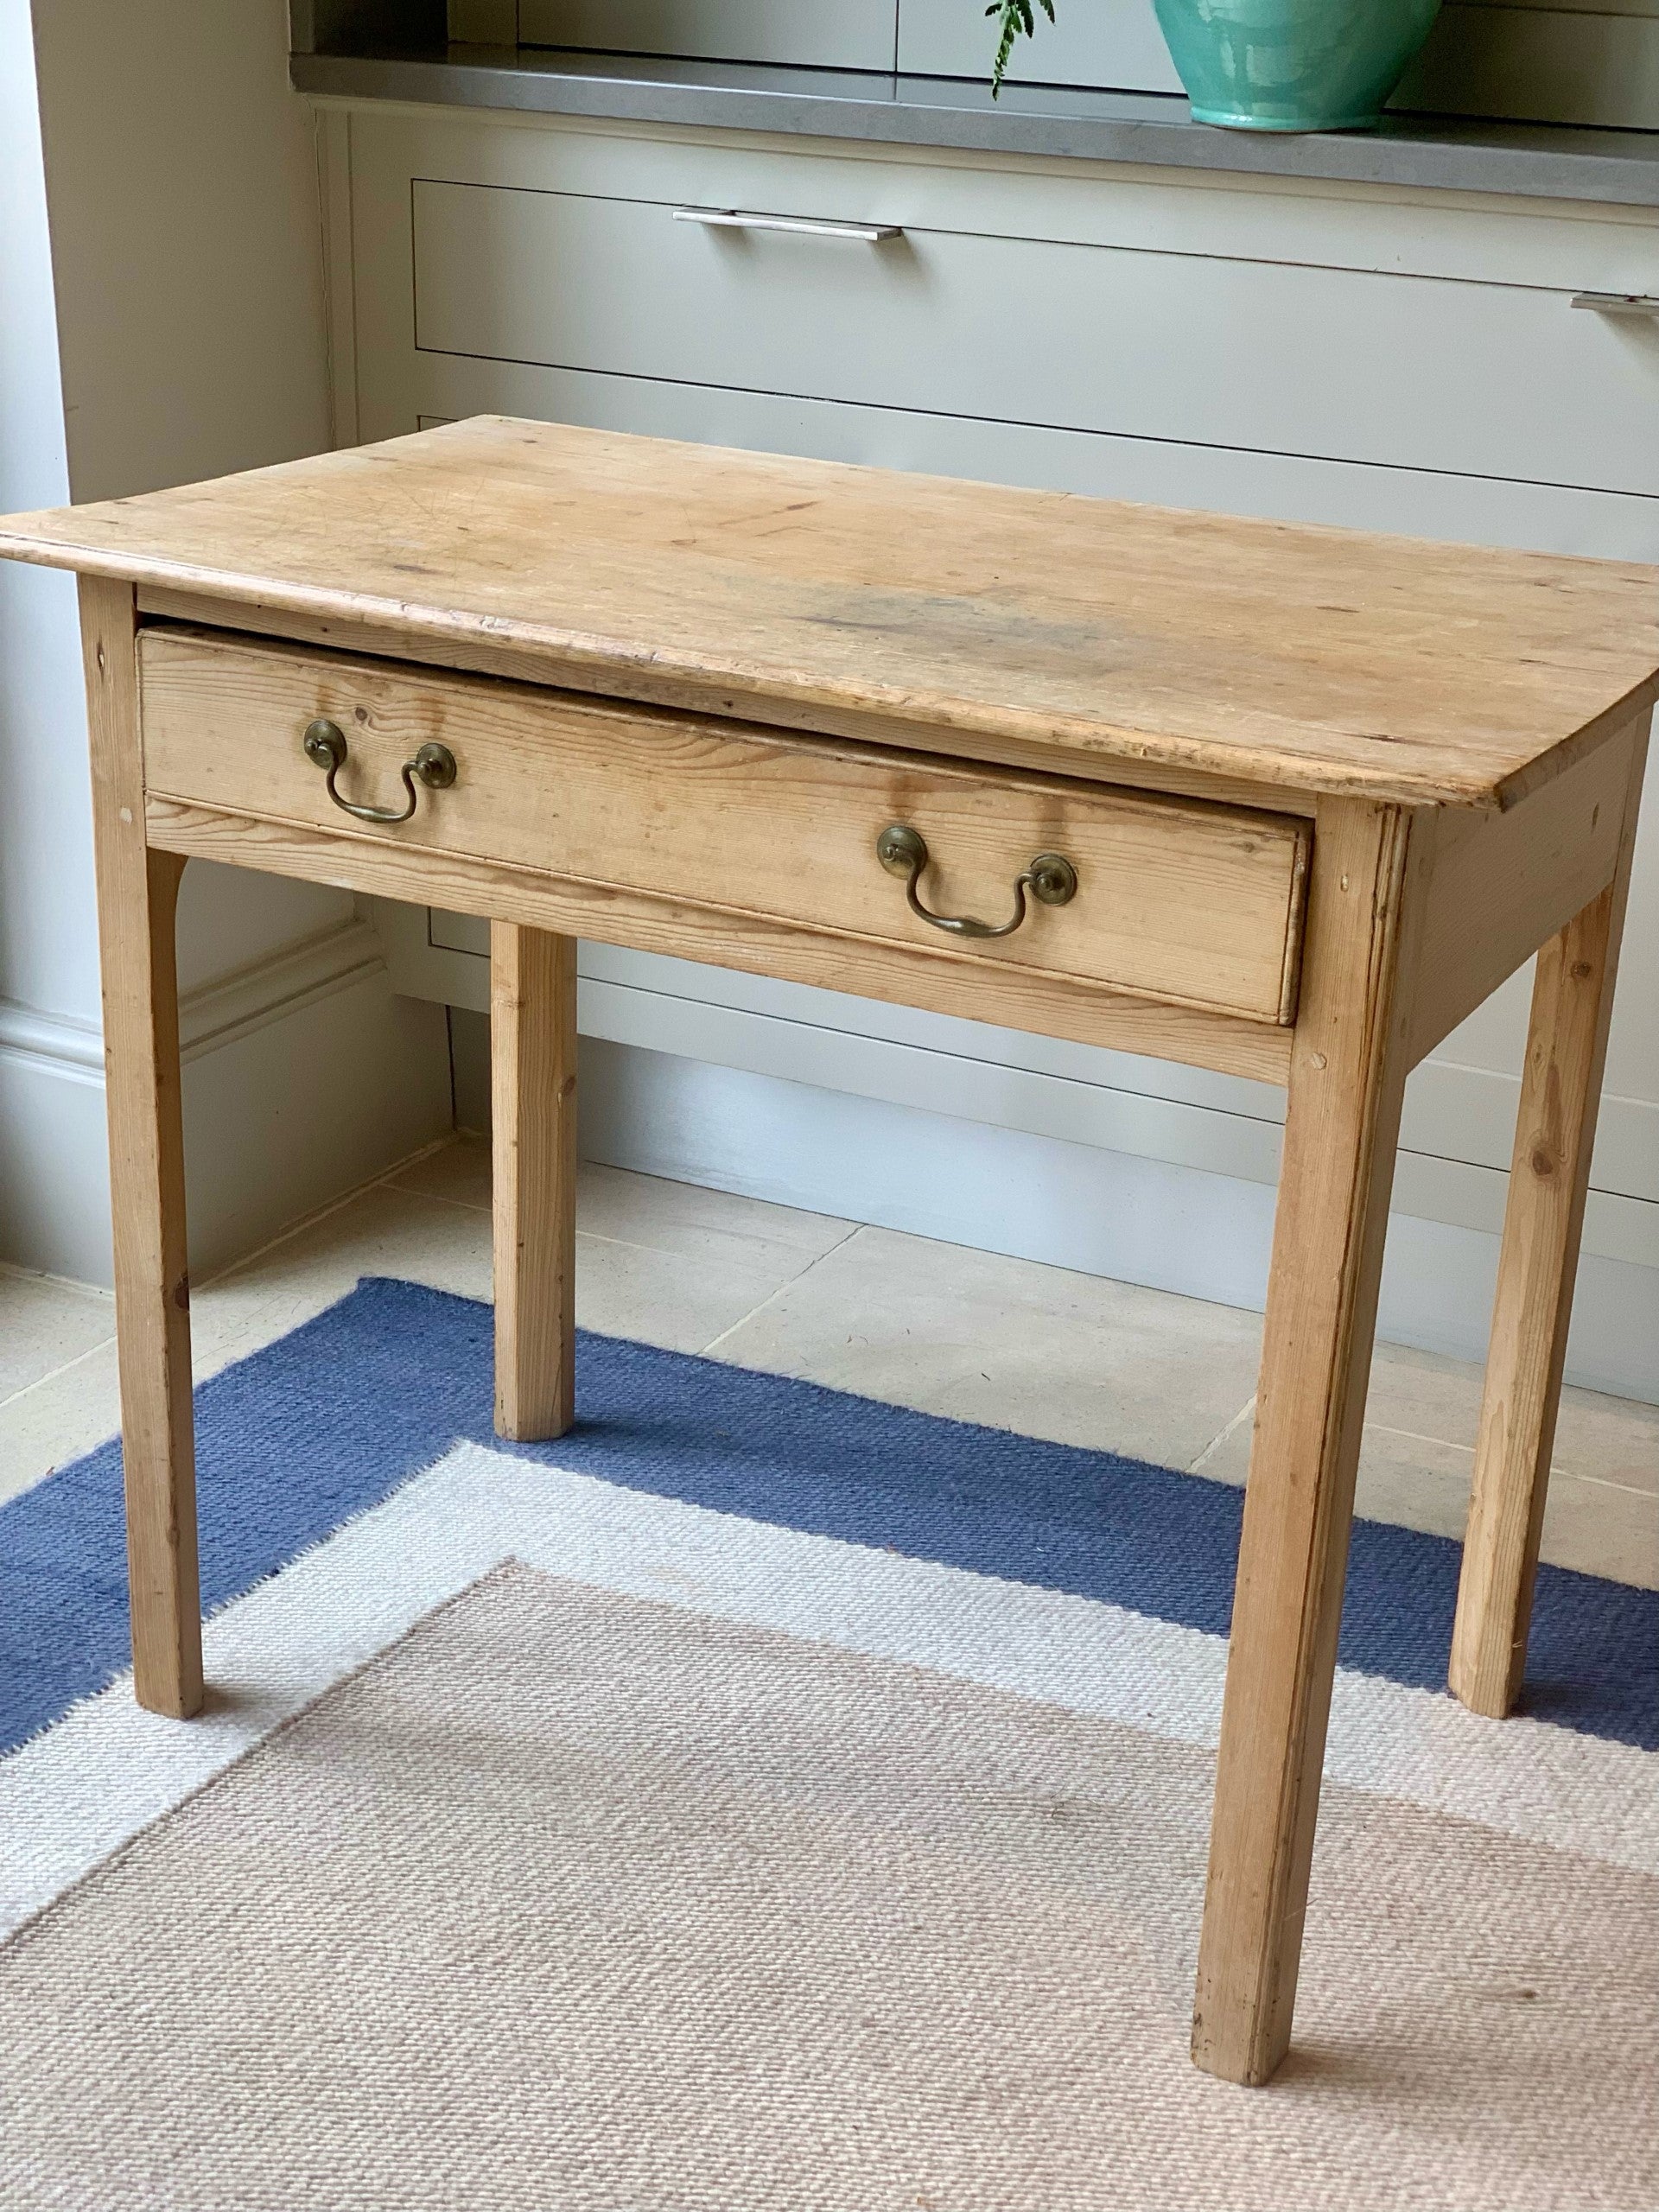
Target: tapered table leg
{"points": [[137, 896], [533, 1063], [1346, 1086], [1549, 1177]]}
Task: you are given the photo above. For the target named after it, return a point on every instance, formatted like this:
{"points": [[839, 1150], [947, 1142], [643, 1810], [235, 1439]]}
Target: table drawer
{"points": [[1374, 366], [1181, 900]]}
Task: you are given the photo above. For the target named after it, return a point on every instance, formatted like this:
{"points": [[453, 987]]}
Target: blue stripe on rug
{"points": [[328, 1420]]}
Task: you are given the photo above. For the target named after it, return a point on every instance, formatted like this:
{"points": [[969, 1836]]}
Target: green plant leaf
{"points": [[1015, 19]]}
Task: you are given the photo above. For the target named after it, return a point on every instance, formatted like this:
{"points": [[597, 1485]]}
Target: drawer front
{"points": [[1193, 903], [845, 34], [1294, 359]]}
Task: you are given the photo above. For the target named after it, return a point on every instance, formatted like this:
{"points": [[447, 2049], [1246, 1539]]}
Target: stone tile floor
{"points": [[949, 1331]]}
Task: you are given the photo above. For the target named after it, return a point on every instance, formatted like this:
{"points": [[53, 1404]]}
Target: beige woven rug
{"points": [[573, 1901]]}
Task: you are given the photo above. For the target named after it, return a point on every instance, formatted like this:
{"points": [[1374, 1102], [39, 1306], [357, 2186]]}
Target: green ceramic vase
{"points": [[1292, 65]]}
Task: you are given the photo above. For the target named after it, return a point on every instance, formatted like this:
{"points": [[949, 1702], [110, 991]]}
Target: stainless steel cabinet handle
{"points": [[1646, 303], [805, 227]]}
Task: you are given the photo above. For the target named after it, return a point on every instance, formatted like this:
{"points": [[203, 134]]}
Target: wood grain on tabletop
{"points": [[1317, 660]]}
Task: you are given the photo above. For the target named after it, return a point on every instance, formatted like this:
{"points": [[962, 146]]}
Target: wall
{"points": [[1584, 61], [161, 264], [327, 26], [49, 1112]]}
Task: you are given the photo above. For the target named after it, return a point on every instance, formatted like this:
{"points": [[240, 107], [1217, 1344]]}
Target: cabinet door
{"points": [[846, 34], [1111, 43]]}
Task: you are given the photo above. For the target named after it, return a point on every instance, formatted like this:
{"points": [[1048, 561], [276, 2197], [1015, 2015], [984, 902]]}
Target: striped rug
{"points": [[764, 1797]]}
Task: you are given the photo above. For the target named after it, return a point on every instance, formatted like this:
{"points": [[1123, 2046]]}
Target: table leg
{"points": [[1347, 1081], [1549, 1177], [533, 1063], [137, 896]]}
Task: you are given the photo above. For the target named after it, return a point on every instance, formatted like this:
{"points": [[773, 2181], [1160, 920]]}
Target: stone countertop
{"points": [[1536, 161]]}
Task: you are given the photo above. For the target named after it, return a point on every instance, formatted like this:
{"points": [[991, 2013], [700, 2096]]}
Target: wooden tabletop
{"points": [[1320, 659]]}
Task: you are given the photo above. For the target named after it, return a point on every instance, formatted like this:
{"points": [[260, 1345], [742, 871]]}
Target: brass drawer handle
{"points": [[903, 851], [433, 765]]}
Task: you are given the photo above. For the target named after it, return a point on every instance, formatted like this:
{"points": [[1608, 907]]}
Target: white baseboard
{"points": [[304, 1075], [1125, 1168], [1185, 1117], [54, 1174], [1073, 1206]]}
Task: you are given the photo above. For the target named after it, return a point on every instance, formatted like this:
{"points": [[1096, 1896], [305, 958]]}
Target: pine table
{"points": [[1281, 801]]}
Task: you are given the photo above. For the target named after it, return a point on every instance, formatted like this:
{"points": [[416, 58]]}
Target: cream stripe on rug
{"points": [[79, 1792], [571, 1899]]}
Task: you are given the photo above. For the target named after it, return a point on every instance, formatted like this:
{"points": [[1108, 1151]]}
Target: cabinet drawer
{"points": [[848, 34], [1294, 359], [1181, 900]]}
